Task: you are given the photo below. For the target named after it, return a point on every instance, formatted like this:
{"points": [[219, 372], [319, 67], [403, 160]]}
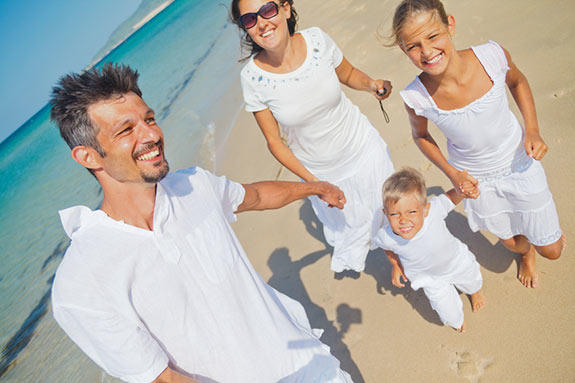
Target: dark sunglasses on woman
{"points": [[266, 11]]}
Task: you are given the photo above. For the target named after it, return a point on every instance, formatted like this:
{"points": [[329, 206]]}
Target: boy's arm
{"points": [[454, 196], [397, 269]]}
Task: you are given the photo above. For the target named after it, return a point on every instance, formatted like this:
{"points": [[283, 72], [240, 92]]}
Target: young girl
{"points": [[293, 80], [492, 160]]}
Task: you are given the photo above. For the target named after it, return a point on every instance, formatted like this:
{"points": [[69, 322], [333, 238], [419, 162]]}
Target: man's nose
{"points": [[149, 132]]}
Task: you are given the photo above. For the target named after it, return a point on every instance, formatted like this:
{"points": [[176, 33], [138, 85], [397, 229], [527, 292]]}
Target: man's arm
{"points": [[171, 376], [275, 194]]}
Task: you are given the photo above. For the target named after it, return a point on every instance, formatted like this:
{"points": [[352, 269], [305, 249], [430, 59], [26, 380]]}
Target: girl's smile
{"points": [[427, 41]]}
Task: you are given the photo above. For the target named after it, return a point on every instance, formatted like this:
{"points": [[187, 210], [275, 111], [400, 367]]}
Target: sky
{"points": [[42, 40]]}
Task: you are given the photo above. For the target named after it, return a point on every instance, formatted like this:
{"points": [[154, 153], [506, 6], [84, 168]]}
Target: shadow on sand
{"points": [[287, 279]]}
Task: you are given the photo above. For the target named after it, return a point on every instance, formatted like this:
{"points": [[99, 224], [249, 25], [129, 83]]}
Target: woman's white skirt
{"points": [[350, 231], [517, 203]]}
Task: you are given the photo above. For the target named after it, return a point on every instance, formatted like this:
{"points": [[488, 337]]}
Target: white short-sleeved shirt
{"points": [[433, 253], [185, 292], [325, 131], [483, 137]]}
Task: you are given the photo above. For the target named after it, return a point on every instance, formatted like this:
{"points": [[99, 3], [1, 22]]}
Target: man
{"points": [[155, 286]]}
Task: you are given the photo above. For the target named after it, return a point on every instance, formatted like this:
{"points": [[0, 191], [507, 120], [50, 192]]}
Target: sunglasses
{"points": [[267, 11]]}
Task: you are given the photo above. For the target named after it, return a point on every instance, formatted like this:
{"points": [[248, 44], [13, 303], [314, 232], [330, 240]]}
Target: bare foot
{"points": [[462, 328], [527, 273], [477, 301]]}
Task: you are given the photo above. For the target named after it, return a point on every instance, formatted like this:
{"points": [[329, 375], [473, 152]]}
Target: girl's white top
{"points": [[325, 131], [483, 137]]}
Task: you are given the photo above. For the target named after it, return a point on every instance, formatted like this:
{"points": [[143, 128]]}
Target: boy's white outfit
{"points": [[184, 293], [485, 138], [436, 261], [332, 138]]}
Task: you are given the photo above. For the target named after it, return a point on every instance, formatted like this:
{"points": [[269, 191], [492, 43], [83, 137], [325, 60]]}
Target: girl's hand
{"points": [[397, 275], [465, 184], [381, 89], [535, 146]]}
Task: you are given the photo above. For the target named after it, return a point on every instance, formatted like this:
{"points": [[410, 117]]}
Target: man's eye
{"points": [[151, 121], [433, 36], [125, 131]]}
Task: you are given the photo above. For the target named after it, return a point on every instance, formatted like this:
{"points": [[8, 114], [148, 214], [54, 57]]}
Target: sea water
{"points": [[187, 57]]}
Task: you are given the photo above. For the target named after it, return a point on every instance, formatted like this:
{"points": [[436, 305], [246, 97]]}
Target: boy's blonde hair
{"points": [[401, 183]]}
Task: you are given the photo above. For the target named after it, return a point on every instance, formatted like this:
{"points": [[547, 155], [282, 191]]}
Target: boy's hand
{"points": [[397, 275], [535, 146], [466, 184]]}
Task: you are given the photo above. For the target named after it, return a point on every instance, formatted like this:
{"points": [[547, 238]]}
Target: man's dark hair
{"points": [[75, 92]]}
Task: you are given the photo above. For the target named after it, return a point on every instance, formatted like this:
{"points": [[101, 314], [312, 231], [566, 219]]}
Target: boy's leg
{"points": [[445, 300], [471, 285]]}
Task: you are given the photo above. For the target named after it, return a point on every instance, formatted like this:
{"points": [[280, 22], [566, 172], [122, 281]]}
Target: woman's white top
{"points": [[483, 137], [324, 130], [433, 253]]}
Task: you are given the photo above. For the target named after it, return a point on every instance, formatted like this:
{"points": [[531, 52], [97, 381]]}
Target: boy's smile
{"points": [[406, 216]]}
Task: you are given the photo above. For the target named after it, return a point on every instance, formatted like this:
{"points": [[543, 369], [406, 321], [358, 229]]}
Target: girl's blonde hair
{"points": [[409, 7], [401, 183]]}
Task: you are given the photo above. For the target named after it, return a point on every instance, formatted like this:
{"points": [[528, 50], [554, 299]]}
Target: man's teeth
{"points": [[149, 155], [266, 34]]}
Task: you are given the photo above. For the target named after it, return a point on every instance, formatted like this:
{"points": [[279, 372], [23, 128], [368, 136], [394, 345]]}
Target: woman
{"points": [[293, 80]]}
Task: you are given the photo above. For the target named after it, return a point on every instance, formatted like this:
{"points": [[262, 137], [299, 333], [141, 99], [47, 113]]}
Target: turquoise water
{"points": [[187, 58]]}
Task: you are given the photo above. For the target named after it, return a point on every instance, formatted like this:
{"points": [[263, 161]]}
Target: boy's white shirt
{"points": [[433, 253]]}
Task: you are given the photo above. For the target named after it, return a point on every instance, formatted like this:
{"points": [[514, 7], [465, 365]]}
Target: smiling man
{"points": [[155, 286]]}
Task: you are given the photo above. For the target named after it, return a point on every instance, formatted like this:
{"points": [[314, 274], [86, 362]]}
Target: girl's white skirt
{"points": [[351, 230], [516, 203]]}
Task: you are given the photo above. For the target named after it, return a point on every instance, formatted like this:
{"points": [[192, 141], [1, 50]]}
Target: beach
{"points": [[187, 54], [382, 333]]}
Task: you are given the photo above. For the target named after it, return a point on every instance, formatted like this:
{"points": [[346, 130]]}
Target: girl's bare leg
{"points": [[527, 272]]}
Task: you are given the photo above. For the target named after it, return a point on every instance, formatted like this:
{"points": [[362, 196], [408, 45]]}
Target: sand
{"points": [[382, 333]]}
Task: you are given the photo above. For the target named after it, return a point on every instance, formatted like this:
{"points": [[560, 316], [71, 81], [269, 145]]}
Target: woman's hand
{"points": [[535, 146], [381, 89], [465, 184]]}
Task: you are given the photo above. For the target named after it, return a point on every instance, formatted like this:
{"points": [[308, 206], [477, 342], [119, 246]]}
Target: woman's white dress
{"points": [[485, 138], [331, 138]]}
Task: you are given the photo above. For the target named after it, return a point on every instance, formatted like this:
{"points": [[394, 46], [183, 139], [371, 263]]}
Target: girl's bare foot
{"points": [[462, 328], [527, 274], [477, 301]]}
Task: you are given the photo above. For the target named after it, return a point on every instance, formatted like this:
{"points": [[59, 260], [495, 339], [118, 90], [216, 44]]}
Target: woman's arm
{"points": [[461, 180], [521, 92], [356, 79], [269, 127]]}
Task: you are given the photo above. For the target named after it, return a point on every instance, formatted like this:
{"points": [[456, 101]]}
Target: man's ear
{"points": [[426, 209], [87, 157]]}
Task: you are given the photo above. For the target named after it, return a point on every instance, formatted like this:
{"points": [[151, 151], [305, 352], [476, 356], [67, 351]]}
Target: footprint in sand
{"points": [[469, 365]]}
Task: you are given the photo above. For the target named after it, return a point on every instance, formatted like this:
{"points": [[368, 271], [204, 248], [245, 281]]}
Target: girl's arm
{"points": [[461, 180], [269, 127], [356, 79], [521, 92]]}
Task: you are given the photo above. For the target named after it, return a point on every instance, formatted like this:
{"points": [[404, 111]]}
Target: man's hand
{"points": [[331, 194], [171, 376]]}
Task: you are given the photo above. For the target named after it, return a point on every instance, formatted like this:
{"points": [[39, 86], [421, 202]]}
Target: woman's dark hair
{"points": [[247, 41]]}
